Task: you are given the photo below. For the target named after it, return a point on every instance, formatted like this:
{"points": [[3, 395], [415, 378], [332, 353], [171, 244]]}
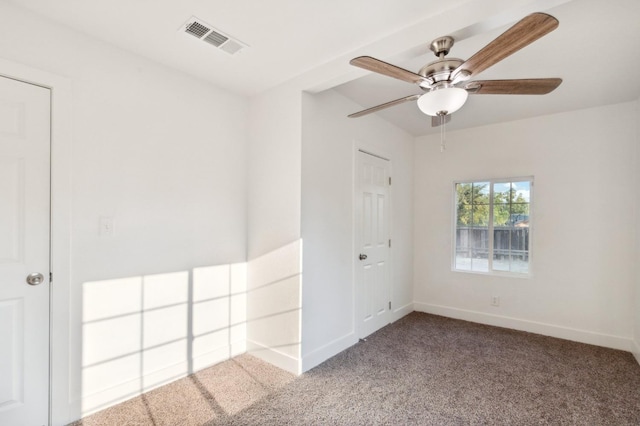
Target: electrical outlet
{"points": [[495, 300]]}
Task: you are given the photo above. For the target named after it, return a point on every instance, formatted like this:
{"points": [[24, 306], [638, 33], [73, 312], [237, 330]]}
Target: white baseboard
{"points": [[636, 350], [320, 355], [108, 397], [217, 356], [402, 311], [582, 336], [275, 357]]}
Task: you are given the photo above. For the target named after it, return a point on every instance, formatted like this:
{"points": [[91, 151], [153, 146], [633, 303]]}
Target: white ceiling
{"points": [[596, 49], [286, 37]]}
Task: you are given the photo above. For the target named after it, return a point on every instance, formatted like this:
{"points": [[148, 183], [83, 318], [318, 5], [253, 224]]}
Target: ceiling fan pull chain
{"points": [[442, 132]]}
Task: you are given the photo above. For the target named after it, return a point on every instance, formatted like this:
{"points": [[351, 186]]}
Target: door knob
{"points": [[35, 278], [363, 256]]}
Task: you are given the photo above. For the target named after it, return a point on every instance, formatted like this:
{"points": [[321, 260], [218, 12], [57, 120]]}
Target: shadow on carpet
{"points": [[421, 370]]}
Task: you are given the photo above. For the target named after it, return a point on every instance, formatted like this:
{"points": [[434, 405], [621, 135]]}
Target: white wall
{"points": [[583, 212], [636, 335], [273, 169], [328, 158], [273, 226], [164, 156], [273, 306]]}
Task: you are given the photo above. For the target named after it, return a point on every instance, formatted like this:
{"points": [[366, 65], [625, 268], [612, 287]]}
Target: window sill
{"points": [[495, 274]]}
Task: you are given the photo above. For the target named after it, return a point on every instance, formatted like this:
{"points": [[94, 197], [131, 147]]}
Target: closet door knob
{"points": [[35, 279]]}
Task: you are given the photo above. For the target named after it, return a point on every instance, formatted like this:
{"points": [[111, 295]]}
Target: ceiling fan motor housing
{"points": [[440, 70]]}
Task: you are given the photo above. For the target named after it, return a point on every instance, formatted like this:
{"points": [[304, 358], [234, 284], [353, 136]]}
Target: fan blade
{"points": [[529, 86], [385, 105], [525, 32], [376, 65], [437, 120]]}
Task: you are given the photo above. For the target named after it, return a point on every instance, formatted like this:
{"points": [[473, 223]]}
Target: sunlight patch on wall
{"points": [[274, 306], [142, 332]]}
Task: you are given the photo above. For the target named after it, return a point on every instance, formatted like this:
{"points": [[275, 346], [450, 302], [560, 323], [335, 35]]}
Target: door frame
{"points": [[60, 229], [380, 152]]}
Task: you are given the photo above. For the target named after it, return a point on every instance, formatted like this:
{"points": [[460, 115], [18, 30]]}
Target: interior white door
{"points": [[24, 253], [372, 243]]}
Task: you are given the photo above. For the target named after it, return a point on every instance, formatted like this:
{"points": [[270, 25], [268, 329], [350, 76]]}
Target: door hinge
{"points": [[389, 305], [389, 180], [50, 277]]}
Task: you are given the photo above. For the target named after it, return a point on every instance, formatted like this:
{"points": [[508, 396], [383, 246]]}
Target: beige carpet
{"points": [[211, 394], [421, 370]]}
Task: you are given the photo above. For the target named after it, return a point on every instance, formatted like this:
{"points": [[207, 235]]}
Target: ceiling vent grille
{"points": [[205, 32]]}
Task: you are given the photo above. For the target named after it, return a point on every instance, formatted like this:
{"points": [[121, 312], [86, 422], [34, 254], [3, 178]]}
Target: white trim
{"points": [[338, 345], [583, 336], [402, 311], [636, 350], [61, 138], [300, 296], [275, 357], [496, 180], [454, 217], [327, 351], [121, 392], [382, 154], [365, 151], [124, 391]]}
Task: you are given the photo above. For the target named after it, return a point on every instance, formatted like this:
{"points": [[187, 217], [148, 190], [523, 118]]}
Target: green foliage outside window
{"points": [[473, 200]]}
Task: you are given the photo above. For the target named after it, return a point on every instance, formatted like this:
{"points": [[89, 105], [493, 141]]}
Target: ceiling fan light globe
{"points": [[445, 100]]}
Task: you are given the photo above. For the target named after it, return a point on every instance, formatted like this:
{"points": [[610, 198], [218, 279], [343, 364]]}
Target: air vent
{"points": [[215, 38], [205, 32], [197, 29]]}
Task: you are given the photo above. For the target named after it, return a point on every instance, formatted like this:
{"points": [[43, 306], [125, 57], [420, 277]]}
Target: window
{"points": [[492, 232]]}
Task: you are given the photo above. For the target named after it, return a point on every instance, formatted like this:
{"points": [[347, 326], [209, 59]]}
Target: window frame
{"points": [[454, 218]]}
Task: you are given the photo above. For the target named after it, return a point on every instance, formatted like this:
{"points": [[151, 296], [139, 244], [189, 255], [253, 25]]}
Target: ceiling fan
{"points": [[445, 81]]}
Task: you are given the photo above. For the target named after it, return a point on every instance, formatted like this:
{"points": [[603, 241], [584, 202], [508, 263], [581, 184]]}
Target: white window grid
{"points": [[490, 270]]}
